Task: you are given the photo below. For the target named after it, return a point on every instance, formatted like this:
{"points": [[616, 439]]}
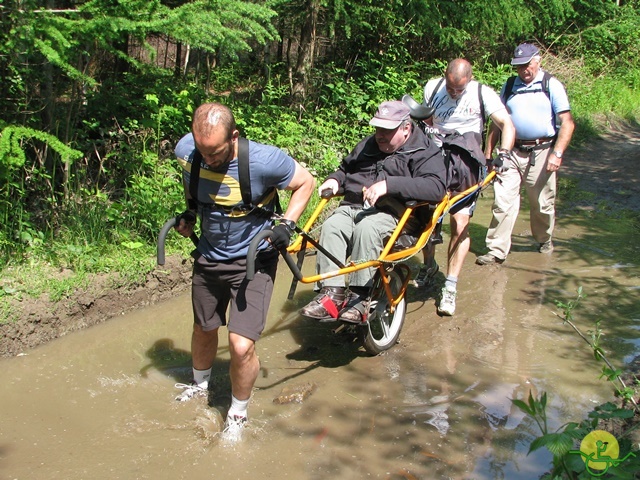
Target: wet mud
{"points": [[99, 403]]}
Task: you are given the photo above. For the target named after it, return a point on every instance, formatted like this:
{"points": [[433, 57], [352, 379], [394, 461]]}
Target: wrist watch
{"points": [[558, 153], [289, 223]]}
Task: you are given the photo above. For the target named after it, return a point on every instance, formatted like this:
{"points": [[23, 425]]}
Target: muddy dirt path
{"points": [[98, 403]]}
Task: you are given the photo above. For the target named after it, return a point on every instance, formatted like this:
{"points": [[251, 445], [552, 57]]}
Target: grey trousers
{"points": [[356, 234]]}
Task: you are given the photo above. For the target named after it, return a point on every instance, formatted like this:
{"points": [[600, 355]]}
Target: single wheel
{"points": [[383, 328]]}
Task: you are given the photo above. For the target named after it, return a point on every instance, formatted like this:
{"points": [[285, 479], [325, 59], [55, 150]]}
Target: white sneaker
{"points": [[447, 302], [233, 427], [190, 391]]}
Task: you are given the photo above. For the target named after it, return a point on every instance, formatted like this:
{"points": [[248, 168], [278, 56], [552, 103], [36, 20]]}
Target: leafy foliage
{"points": [[566, 464], [96, 93]]}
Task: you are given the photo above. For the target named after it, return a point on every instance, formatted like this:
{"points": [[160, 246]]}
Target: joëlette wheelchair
{"points": [[385, 302]]}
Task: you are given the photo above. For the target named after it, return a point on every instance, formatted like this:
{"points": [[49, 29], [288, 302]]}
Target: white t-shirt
{"points": [[463, 113]]}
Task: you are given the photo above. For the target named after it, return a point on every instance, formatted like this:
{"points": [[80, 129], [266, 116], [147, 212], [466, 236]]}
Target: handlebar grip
{"points": [[161, 239], [326, 193], [163, 235], [253, 250]]}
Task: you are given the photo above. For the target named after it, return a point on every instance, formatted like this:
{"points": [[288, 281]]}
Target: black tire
{"points": [[383, 328]]}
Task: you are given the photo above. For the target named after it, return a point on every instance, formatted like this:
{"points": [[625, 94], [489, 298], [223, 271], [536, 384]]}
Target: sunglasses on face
{"points": [[455, 91]]}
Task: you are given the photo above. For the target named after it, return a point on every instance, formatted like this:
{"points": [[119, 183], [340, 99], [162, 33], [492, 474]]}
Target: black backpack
{"points": [[508, 89], [463, 158]]}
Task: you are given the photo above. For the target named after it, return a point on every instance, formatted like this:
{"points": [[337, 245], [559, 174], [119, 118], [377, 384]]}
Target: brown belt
{"points": [[531, 143]]}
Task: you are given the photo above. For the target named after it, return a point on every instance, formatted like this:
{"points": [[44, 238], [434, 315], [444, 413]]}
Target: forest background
{"points": [[95, 94]]}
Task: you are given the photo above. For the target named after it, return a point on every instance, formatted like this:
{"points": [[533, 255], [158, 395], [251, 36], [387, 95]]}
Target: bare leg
{"points": [[204, 347], [459, 245], [244, 365]]}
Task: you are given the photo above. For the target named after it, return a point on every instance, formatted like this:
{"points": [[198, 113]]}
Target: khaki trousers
{"points": [[540, 187]]}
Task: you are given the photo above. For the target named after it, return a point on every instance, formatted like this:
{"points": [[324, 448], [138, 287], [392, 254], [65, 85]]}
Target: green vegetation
{"points": [[567, 464], [95, 96]]}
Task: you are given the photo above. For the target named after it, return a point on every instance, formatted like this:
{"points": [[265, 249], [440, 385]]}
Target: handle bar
{"points": [[326, 193], [418, 111], [163, 235], [253, 249]]}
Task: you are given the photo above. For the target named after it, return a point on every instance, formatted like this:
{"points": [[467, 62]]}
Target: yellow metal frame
{"points": [[387, 256]]}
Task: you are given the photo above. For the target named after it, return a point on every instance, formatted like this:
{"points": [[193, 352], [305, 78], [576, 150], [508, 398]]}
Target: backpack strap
{"points": [[194, 176], [508, 89], [435, 90], [482, 111], [546, 78], [244, 174], [244, 179], [483, 134]]}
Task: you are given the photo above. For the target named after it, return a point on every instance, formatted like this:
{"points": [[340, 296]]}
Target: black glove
{"points": [[188, 216], [501, 163], [281, 236]]}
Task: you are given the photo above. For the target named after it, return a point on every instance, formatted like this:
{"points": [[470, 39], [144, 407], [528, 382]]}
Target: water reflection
{"points": [[474, 365], [99, 403]]}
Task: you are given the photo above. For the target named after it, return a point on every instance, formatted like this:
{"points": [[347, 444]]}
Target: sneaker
{"points": [[426, 275], [447, 302], [546, 247], [488, 259], [233, 427], [190, 390]]}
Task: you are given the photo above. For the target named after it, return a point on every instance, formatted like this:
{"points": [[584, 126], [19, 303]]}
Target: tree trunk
{"points": [[177, 70], [306, 50]]}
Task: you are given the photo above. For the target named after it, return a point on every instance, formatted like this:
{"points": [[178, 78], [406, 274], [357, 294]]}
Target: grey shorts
{"points": [[215, 285]]}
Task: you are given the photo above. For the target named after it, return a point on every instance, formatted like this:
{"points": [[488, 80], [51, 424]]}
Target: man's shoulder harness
{"points": [[244, 178], [508, 89]]}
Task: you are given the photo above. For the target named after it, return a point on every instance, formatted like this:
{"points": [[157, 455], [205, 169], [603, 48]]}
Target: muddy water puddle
{"points": [[99, 403]]}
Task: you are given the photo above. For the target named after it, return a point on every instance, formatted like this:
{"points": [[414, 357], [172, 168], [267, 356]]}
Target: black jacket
{"points": [[416, 171]]}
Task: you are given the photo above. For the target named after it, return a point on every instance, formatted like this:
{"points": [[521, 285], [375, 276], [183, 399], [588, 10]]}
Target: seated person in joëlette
{"points": [[396, 164]]}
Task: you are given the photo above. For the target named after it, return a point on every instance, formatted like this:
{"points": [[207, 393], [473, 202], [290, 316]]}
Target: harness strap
{"points": [[244, 173], [194, 177], [244, 179], [538, 146], [329, 306], [531, 150]]}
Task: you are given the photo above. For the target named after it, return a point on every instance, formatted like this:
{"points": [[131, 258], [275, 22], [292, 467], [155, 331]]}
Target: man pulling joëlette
{"points": [[228, 224]]}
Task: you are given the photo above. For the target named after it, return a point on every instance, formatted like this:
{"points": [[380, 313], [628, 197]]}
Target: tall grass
{"points": [[597, 102]]}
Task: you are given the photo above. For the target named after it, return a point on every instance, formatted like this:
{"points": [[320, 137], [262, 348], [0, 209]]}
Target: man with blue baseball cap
{"points": [[540, 111]]}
